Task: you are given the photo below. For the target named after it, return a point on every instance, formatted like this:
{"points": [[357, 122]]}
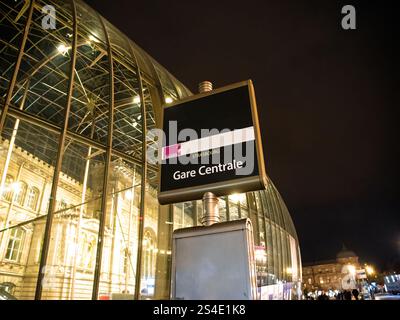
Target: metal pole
{"points": [[14, 194], [142, 190], [16, 68], [57, 167], [8, 159], [78, 229], [210, 200], [143, 178], [12, 141], [102, 222], [210, 209], [128, 246]]}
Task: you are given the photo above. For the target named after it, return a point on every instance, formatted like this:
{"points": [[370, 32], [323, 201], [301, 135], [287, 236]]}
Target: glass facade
{"points": [[78, 199]]}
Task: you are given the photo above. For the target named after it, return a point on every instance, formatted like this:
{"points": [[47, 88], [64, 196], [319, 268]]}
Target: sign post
{"points": [[211, 143]]}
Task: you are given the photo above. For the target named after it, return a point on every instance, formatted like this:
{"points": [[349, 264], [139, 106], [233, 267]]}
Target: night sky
{"points": [[327, 99]]}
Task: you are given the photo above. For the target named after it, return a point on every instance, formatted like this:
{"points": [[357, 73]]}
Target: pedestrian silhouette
{"points": [[355, 293]]}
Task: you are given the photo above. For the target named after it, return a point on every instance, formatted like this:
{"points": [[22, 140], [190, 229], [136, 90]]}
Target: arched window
{"points": [[91, 252], [8, 190], [149, 262], [20, 192], [149, 254], [82, 245], [32, 198], [87, 251]]}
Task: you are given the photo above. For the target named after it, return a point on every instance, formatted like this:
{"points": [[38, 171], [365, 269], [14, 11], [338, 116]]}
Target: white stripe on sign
{"points": [[212, 142]]}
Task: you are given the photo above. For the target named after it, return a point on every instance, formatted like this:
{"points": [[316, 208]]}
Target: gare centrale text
{"points": [[204, 170]]}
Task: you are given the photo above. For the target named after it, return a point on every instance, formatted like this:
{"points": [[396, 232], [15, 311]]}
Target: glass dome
{"points": [[78, 198]]}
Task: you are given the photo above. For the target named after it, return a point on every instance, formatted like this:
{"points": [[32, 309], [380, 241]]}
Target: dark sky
{"points": [[327, 99]]}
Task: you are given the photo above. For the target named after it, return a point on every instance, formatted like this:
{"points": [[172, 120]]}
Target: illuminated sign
{"points": [[211, 142]]}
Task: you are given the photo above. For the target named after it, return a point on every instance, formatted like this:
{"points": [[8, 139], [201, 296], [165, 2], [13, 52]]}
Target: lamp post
{"points": [[370, 272]]}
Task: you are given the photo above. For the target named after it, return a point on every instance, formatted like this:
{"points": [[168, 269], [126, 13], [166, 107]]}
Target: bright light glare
{"points": [[63, 49], [136, 99], [352, 269], [15, 187], [238, 197], [369, 270], [129, 195], [259, 254], [93, 38], [168, 100]]}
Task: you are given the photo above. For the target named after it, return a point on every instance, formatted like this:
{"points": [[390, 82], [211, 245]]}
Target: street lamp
{"points": [[370, 272]]}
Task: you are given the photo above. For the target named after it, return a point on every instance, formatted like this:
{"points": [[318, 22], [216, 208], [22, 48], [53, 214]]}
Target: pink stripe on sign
{"points": [[172, 151]]}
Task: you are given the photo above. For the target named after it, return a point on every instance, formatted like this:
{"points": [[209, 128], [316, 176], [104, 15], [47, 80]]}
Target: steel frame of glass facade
{"points": [[76, 104]]}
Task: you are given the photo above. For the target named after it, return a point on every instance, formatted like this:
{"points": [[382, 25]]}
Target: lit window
{"points": [[7, 192], [87, 251], [15, 244], [20, 192], [32, 198], [149, 257]]}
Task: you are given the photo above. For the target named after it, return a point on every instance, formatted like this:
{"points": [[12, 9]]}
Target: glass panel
{"points": [[150, 246], [45, 65], [143, 60], [279, 251], [76, 222], [233, 211], [178, 215], [152, 224], [27, 158], [275, 254], [190, 215], [222, 209], [127, 132], [184, 215], [199, 212], [90, 103], [163, 264], [170, 94], [270, 248], [120, 243], [13, 16], [244, 212]]}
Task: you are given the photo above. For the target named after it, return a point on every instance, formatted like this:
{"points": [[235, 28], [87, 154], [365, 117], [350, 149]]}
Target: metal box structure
{"points": [[214, 263]]}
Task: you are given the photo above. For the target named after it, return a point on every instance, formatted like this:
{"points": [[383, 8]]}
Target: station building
{"points": [[78, 200], [332, 275]]}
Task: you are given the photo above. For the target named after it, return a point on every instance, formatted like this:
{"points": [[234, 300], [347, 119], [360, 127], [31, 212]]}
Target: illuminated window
{"points": [[87, 251], [7, 192], [20, 192], [149, 255], [15, 244], [32, 198]]}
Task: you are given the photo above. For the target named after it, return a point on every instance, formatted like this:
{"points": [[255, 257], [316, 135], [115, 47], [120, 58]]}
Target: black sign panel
{"points": [[211, 143]]}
